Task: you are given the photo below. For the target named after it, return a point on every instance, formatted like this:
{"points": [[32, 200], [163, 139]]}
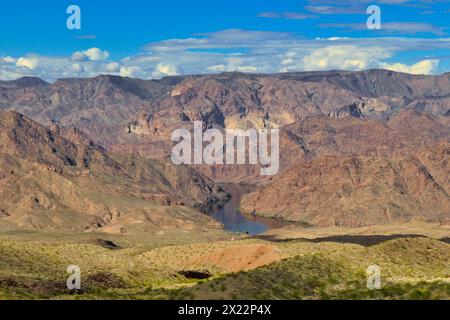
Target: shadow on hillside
{"points": [[364, 240]]}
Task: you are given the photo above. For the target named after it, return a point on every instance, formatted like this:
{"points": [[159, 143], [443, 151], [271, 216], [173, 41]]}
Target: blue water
{"points": [[234, 221]]}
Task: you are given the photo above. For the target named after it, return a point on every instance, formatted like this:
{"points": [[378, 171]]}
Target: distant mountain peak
{"points": [[26, 81]]}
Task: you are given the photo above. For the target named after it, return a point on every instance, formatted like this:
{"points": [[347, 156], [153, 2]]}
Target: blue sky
{"points": [[151, 39]]}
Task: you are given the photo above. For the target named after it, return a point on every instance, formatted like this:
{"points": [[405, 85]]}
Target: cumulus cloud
{"points": [[129, 71], [8, 59], [166, 69], [347, 57], [428, 66], [92, 54], [233, 50], [51, 67], [30, 63], [95, 54], [112, 67], [79, 56], [76, 68]]}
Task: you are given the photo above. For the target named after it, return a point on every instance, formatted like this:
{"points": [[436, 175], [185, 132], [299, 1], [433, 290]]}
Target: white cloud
{"points": [[30, 63], [233, 64], [166, 69], [217, 68], [76, 68], [234, 50], [344, 57], [50, 67], [423, 67], [93, 54], [248, 69], [79, 56], [129, 71], [9, 59], [112, 67]]}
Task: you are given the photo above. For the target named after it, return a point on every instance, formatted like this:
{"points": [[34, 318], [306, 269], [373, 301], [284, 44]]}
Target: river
{"points": [[234, 221]]}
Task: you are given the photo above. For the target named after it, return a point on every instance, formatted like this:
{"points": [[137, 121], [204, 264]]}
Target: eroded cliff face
{"points": [[359, 191], [389, 130], [61, 180], [357, 172]]}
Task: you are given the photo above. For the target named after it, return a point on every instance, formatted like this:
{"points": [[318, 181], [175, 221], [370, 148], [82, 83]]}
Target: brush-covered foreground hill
{"points": [[319, 268], [341, 274], [49, 182]]}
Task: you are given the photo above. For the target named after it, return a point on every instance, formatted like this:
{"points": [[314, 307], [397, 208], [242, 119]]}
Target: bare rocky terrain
{"points": [[357, 148], [50, 182]]}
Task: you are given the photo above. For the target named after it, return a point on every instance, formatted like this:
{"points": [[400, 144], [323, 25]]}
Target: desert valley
{"points": [[86, 179]]}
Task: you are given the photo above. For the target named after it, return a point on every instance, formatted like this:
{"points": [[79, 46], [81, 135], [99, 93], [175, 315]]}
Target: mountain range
{"points": [[357, 148]]}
